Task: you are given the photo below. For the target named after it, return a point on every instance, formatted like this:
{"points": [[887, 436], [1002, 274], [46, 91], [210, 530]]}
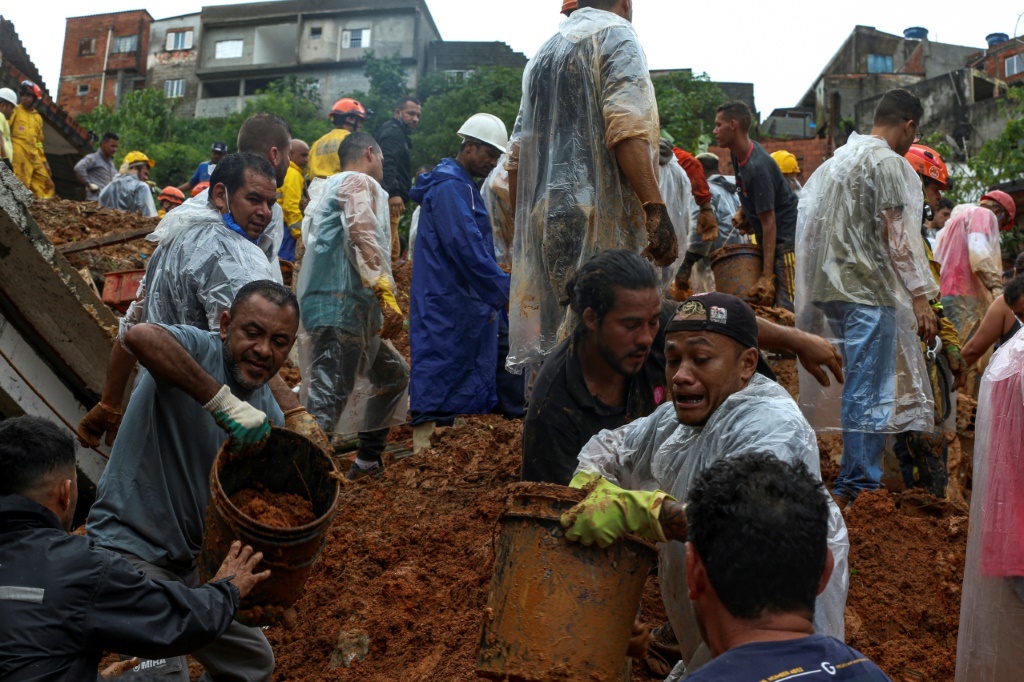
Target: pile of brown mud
{"points": [[280, 510], [403, 283]]}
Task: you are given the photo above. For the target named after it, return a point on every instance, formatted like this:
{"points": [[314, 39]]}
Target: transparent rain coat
{"points": [[676, 193], [990, 644], [196, 271], [129, 194], [858, 243], [496, 200], [347, 234], [660, 453], [586, 90], [968, 244]]}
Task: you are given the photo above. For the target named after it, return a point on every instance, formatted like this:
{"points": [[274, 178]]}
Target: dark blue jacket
{"points": [[457, 292]]}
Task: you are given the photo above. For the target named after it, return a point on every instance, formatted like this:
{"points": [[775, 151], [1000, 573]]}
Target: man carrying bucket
{"points": [[723, 405], [199, 385]]}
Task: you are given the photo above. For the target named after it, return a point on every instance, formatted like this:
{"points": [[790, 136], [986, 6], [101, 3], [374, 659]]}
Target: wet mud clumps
{"points": [[280, 510]]}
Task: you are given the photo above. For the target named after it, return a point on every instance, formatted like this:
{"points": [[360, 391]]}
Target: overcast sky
{"points": [[780, 47]]}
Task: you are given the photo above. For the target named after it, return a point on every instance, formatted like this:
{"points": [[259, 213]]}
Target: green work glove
{"points": [[382, 287], [609, 512], [247, 427]]}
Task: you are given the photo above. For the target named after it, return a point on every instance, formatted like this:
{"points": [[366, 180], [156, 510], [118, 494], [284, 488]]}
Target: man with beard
{"points": [[200, 385]]}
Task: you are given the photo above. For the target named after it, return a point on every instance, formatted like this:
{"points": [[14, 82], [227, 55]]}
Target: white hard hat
{"points": [[486, 128], [8, 95]]}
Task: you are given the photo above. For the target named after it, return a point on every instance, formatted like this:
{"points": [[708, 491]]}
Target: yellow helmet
{"points": [[132, 158], [787, 162]]}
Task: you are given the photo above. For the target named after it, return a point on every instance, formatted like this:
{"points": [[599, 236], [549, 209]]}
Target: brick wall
{"points": [[994, 63], [810, 154]]}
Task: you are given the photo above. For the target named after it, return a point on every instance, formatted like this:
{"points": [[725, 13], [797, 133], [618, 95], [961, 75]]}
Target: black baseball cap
{"points": [[721, 314], [221, 147]]}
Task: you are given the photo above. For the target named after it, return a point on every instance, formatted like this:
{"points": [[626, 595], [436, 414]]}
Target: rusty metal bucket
{"points": [[558, 611], [736, 268], [289, 463]]}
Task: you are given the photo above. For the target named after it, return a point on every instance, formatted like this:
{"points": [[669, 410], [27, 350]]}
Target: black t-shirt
{"points": [[563, 415], [763, 188], [817, 657]]}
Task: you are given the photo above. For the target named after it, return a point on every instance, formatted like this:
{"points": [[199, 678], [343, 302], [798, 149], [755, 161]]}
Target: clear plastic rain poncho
{"points": [[676, 193], [968, 246], [990, 644], [347, 234], [496, 200], [197, 269], [129, 194], [860, 254], [586, 90], [660, 453]]}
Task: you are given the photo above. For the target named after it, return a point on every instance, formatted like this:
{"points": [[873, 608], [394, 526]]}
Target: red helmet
{"points": [[173, 195], [1006, 201], [568, 7], [928, 164], [31, 88], [346, 106], [200, 188]]}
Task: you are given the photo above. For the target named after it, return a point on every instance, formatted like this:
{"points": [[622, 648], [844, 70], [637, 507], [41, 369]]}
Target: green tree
{"points": [[388, 81], [686, 107], [295, 100]]}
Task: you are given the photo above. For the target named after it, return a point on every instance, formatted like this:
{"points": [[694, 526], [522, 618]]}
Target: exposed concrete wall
{"points": [[167, 65]]}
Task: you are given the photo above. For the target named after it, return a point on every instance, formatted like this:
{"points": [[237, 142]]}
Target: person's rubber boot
{"points": [[421, 436]]}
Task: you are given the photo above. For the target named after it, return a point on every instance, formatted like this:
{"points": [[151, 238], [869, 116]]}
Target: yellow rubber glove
{"points": [[382, 287], [609, 512]]}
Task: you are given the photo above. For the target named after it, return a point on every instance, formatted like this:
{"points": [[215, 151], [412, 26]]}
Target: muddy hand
{"points": [[707, 223], [763, 291], [662, 246], [815, 354], [238, 566], [609, 512], [957, 366], [119, 668], [639, 640], [740, 222], [393, 325], [927, 322], [302, 422], [100, 419]]}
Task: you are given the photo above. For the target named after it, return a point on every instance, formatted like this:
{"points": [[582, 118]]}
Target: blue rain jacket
{"points": [[458, 292]]}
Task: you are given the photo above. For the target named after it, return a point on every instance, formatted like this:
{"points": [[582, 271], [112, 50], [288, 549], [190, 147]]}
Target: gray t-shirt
{"points": [[762, 188], [151, 499]]}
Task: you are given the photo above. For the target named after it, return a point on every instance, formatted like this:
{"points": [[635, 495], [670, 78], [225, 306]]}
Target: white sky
{"points": [[780, 47]]}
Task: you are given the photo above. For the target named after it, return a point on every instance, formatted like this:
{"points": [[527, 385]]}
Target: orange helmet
{"points": [[1006, 201], [173, 195], [568, 6], [928, 164], [346, 106], [31, 88], [200, 188]]}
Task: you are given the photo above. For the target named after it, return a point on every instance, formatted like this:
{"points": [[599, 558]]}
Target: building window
{"points": [[179, 40], [83, 89], [356, 38], [228, 49], [125, 44], [457, 75], [879, 63], [316, 32], [86, 47], [174, 88], [1013, 65]]}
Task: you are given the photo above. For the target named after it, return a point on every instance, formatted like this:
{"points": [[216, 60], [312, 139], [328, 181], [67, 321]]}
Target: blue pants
{"points": [[287, 251], [868, 347]]}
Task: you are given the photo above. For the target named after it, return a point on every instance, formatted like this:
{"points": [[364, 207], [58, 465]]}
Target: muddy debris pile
{"points": [[279, 510]]}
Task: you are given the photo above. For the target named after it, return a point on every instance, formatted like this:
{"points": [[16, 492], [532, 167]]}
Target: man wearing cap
{"points": [[612, 369], [972, 261], [458, 290], [129, 191], [97, 170], [724, 403], [203, 170]]}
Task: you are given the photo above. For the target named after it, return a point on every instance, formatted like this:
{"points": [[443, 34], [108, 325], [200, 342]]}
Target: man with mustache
{"points": [[199, 386]]}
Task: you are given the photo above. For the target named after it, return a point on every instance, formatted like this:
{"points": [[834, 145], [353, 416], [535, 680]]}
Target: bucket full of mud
{"points": [[736, 268], [281, 501], [558, 611]]}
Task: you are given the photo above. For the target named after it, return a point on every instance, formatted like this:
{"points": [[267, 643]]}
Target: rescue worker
{"points": [[705, 224], [972, 262], [129, 191], [724, 204], [458, 290], [217, 152], [30, 165], [866, 285], [1000, 324], [351, 380], [753, 515], [198, 387], [677, 192], [582, 174], [170, 198], [769, 205], [97, 170], [612, 369], [74, 601], [348, 116], [8, 100], [291, 197], [923, 455], [723, 405], [790, 168], [395, 139]]}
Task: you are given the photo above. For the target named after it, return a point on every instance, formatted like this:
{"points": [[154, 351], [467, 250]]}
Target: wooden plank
{"points": [[105, 240]]}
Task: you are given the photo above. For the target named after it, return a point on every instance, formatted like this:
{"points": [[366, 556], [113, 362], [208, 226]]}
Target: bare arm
{"points": [[634, 157], [769, 233], [160, 353], [285, 396], [513, 191], [119, 370], [902, 259], [673, 520], [814, 352], [997, 321]]}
